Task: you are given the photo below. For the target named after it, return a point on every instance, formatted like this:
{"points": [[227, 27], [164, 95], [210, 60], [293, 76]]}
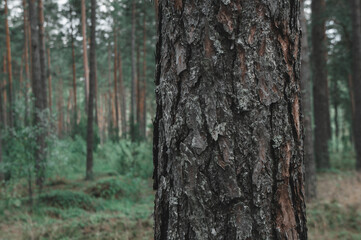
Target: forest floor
{"points": [[115, 207]]}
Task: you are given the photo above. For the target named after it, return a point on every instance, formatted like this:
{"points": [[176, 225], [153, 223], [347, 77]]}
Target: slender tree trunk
{"points": [[3, 89], [42, 52], [143, 104], [90, 130], [60, 108], [49, 82], [37, 83], [85, 51], [123, 103], [27, 70], [116, 87], [356, 77], [320, 85], [75, 117], [133, 99], [138, 89], [306, 84], [228, 144], [9, 67]]}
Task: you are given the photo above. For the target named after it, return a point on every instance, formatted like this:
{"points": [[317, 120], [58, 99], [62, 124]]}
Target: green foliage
{"points": [[109, 188], [117, 188], [67, 199], [336, 220], [129, 158], [81, 130], [67, 157]]}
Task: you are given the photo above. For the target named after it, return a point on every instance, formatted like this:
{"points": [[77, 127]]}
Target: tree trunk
{"points": [[74, 118], [60, 108], [116, 86], [90, 129], [9, 67], [320, 85], [85, 51], [123, 103], [133, 98], [49, 82], [138, 90], [39, 120], [228, 144], [3, 89], [143, 101], [306, 84], [42, 52], [27, 70], [356, 77]]}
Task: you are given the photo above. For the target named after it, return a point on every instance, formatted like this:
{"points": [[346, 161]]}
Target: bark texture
{"points": [[356, 77], [228, 134], [320, 84], [9, 67], [42, 52], [90, 128], [306, 84], [85, 51], [40, 98]]}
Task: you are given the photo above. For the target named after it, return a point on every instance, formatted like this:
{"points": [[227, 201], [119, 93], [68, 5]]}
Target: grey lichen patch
{"points": [[220, 129], [180, 58]]}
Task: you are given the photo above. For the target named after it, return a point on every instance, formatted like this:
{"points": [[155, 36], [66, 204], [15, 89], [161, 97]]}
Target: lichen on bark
{"points": [[228, 147]]}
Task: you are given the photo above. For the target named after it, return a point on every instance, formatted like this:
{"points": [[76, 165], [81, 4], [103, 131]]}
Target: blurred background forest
{"points": [[65, 175]]}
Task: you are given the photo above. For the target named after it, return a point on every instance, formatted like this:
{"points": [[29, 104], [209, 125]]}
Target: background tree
{"points": [[228, 147], [320, 84], [356, 76], [310, 166], [92, 76]]}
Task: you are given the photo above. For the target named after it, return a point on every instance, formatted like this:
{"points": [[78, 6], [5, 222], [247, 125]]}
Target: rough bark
{"points": [[90, 129], [85, 51], [320, 84], [133, 98], [356, 77], [42, 52], [37, 86], [306, 84], [228, 133], [9, 67]]}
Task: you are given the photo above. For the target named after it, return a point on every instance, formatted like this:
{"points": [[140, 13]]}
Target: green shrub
{"points": [[67, 199], [109, 188]]}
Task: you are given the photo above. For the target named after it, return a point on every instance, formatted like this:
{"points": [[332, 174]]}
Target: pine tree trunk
{"points": [[42, 53], [306, 84], [75, 114], [133, 98], [3, 89], [116, 86], [27, 69], [85, 51], [123, 104], [9, 67], [60, 108], [356, 77], [143, 103], [320, 85], [90, 129], [49, 83], [37, 86], [228, 144]]}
